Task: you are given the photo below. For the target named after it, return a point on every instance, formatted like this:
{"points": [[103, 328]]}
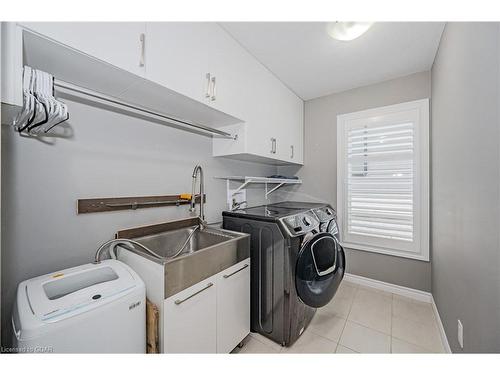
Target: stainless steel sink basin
{"points": [[205, 253], [183, 241]]}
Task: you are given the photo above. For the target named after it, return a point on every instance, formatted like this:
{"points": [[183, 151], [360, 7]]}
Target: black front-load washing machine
{"points": [[296, 266]]}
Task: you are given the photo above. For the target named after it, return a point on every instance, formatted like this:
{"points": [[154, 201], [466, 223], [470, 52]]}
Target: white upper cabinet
{"points": [[203, 62], [292, 146], [178, 57], [235, 74], [198, 60], [121, 44], [273, 131]]}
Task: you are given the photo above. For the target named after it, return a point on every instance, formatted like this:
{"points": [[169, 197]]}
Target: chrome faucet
{"points": [[198, 169]]}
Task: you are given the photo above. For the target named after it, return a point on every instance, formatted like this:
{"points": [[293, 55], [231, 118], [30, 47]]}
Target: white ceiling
{"points": [[313, 64]]}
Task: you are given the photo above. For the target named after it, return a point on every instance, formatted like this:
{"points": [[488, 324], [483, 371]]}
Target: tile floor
{"points": [[362, 320]]}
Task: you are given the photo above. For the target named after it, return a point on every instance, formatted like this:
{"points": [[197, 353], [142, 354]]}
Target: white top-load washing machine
{"points": [[94, 308]]}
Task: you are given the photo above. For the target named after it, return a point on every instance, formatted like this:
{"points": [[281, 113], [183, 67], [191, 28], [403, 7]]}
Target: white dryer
{"points": [[94, 308]]}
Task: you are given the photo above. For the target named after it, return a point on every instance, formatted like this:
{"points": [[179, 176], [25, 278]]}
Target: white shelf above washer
{"points": [[260, 180]]}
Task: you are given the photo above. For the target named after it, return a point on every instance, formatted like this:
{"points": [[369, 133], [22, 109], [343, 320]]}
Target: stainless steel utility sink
{"points": [[189, 254], [183, 241]]}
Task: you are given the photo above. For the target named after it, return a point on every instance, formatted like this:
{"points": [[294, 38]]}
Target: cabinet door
{"points": [[118, 43], [237, 77], [189, 319], [178, 56], [264, 138], [11, 73], [233, 306], [292, 131], [281, 120]]}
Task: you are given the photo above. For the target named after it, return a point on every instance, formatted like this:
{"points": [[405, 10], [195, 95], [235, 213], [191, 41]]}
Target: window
{"points": [[383, 179]]}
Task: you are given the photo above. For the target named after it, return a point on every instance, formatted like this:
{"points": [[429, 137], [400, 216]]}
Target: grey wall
{"points": [[320, 171], [110, 155], [465, 184]]}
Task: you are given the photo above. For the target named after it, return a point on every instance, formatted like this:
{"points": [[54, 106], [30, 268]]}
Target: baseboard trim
{"points": [[415, 294], [442, 332], [404, 291]]}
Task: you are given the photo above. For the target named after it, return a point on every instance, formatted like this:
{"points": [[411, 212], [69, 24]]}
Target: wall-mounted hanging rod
{"points": [[174, 121]]}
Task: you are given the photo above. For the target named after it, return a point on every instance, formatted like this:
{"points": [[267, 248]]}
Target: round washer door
{"points": [[319, 270]]}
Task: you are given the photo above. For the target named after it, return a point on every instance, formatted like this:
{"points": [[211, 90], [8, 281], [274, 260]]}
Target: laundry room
{"points": [[234, 185]]}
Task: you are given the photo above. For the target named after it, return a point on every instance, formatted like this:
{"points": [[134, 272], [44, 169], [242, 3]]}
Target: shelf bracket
{"points": [[266, 181], [242, 186], [273, 189]]}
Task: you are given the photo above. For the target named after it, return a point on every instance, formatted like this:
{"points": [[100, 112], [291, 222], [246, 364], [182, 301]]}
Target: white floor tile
{"points": [[374, 290], [343, 350], [401, 347], [341, 304], [309, 342], [364, 340], [327, 326], [348, 284], [425, 335], [346, 289], [264, 340], [362, 320], [416, 311], [253, 346], [372, 309]]}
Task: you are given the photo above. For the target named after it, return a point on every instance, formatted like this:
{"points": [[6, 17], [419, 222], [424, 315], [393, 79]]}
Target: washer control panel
{"points": [[328, 219], [325, 213], [301, 223]]}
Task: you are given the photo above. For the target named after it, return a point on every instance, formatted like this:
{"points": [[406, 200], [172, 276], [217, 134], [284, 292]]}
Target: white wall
{"points": [[320, 170], [465, 184], [110, 155]]}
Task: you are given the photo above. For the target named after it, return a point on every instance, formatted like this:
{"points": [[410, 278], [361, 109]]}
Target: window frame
{"points": [[420, 111]]}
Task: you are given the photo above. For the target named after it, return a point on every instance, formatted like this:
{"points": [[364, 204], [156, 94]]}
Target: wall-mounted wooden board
{"points": [[91, 205]]}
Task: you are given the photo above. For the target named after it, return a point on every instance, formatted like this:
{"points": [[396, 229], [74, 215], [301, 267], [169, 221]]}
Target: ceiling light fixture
{"points": [[347, 30]]}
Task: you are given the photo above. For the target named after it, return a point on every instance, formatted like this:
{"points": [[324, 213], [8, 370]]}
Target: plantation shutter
{"points": [[380, 181], [383, 179]]}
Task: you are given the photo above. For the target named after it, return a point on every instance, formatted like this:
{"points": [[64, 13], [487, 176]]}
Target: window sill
{"points": [[396, 253]]}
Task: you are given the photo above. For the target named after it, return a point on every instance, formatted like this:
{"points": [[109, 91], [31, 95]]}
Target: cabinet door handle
{"points": [[291, 155], [179, 301], [207, 92], [231, 274], [273, 145], [214, 90], [142, 39]]}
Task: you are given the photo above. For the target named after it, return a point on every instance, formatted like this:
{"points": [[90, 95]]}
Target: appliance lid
{"points": [[298, 205], [75, 290]]}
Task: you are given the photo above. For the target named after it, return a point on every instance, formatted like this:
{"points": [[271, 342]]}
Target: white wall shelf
{"points": [[246, 180]]}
